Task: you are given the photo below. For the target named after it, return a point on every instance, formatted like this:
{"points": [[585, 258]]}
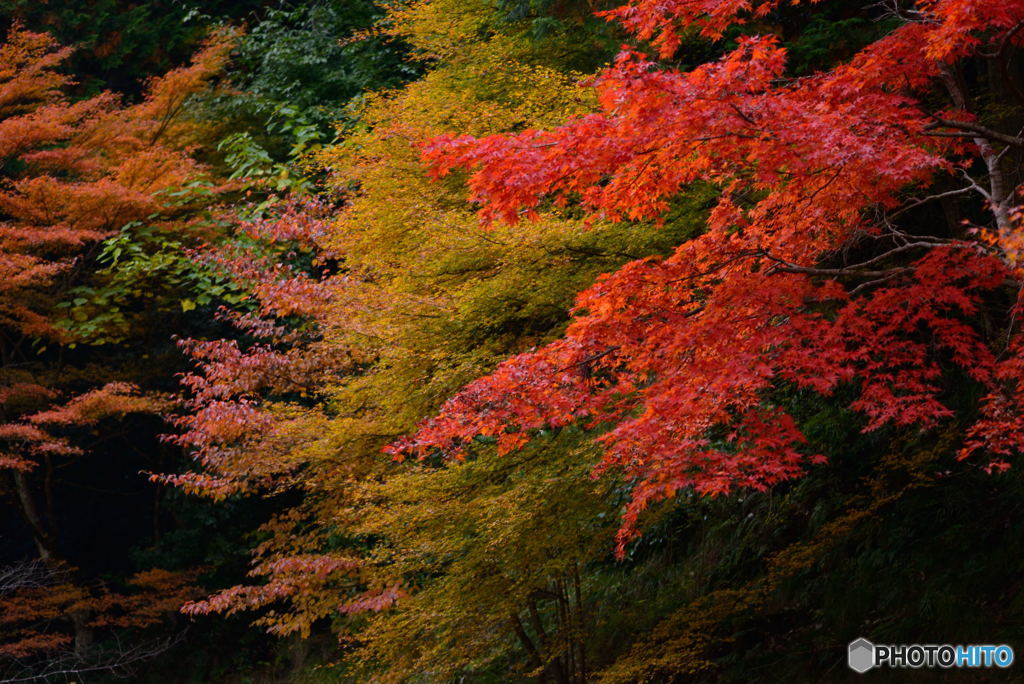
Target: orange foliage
{"points": [[76, 172], [73, 173], [39, 619]]}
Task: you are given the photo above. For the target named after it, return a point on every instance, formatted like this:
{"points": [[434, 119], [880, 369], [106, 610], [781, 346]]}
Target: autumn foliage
{"points": [[73, 172], [522, 344], [678, 357]]}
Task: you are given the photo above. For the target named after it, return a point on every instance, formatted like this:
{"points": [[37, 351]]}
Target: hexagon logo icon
{"points": [[861, 656]]}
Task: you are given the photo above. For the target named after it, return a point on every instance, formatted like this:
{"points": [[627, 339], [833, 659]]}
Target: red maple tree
{"points": [[805, 276]]}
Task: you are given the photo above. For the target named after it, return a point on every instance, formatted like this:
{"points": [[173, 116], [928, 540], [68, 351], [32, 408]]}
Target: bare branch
{"points": [[930, 198], [31, 574], [971, 129], [119, 661], [857, 270]]}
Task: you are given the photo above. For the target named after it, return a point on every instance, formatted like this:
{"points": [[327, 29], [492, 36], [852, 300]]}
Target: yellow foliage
{"points": [[426, 300]]}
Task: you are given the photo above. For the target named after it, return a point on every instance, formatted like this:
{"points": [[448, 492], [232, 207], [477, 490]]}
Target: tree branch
{"points": [[970, 129]]}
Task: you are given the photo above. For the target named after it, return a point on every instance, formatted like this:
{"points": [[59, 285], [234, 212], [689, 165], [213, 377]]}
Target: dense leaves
{"points": [[74, 173], [643, 341], [675, 367]]}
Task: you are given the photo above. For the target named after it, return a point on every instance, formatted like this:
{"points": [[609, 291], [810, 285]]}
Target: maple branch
{"points": [[871, 283], [786, 267], [876, 276], [743, 115], [891, 9], [591, 359], [974, 185], [999, 195], [855, 269], [901, 248], [736, 257], [970, 129], [930, 198]]}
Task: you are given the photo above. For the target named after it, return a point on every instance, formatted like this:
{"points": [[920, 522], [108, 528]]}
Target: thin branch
{"points": [[971, 129], [119, 664], [856, 270], [930, 198], [974, 185], [785, 267]]}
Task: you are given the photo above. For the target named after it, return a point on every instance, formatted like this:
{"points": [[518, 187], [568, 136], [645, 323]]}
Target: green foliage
{"points": [[303, 54], [121, 43], [247, 159], [825, 37], [562, 34], [505, 560], [144, 273]]}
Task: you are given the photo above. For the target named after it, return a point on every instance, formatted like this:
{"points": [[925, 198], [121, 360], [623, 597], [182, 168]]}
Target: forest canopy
{"points": [[507, 340]]}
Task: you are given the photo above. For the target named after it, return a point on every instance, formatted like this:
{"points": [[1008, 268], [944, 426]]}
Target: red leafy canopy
{"points": [[679, 355], [230, 431], [661, 20]]}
